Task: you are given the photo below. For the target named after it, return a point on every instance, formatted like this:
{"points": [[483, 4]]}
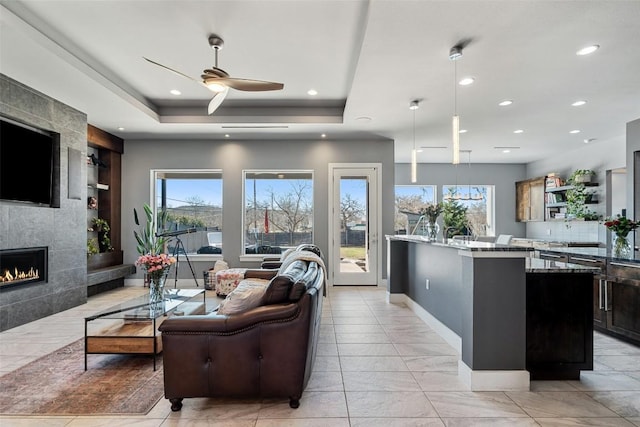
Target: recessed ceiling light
{"points": [[419, 150], [120, 128], [578, 103], [175, 92], [505, 103], [575, 131], [462, 131], [312, 92], [363, 119], [588, 140], [587, 50], [226, 135], [518, 131], [506, 150], [466, 81], [324, 135]]}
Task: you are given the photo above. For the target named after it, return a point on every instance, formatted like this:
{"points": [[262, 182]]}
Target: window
{"points": [[470, 209], [193, 201], [278, 210], [409, 200]]}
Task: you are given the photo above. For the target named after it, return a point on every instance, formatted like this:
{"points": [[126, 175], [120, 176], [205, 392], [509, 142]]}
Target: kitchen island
{"points": [[474, 294]]}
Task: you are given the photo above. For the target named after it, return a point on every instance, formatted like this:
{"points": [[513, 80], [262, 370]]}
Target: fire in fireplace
{"points": [[22, 266]]}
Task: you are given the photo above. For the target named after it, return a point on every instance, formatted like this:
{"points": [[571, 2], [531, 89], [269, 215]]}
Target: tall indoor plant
{"points": [[151, 247]]}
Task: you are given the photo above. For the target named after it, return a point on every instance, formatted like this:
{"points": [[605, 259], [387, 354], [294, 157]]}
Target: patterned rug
{"points": [[57, 384]]}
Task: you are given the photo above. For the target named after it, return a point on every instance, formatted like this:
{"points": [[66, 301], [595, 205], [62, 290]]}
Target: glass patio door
{"points": [[354, 225]]}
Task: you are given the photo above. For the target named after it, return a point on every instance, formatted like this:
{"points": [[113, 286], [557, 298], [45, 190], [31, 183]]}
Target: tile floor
{"points": [[378, 365]]}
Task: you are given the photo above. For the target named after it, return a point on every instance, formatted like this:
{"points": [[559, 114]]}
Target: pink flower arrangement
{"points": [[155, 265]]}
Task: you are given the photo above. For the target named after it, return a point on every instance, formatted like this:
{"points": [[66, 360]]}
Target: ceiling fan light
{"points": [[215, 87]]}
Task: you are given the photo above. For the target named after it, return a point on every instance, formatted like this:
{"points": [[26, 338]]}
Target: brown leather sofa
{"points": [[267, 351]]}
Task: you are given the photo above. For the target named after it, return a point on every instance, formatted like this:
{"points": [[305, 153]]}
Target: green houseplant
{"points": [[581, 176], [149, 243], [102, 227], [578, 195]]}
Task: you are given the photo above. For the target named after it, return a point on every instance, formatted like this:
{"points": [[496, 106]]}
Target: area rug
{"points": [[57, 384]]}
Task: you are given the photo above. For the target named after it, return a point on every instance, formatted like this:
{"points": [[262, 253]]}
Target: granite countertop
{"points": [[537, 265], [472, 245], [601, 253]]}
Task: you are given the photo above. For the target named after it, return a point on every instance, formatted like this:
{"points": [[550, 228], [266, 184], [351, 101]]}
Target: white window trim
{"points": [[152, 202], [260, 257]]}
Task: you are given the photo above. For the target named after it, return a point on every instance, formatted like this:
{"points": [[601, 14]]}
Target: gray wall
{"points": [[503, 176], [633, 173], [62, 229], [233, 157]]}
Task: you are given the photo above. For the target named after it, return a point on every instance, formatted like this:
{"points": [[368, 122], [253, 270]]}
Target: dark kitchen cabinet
{"points": [[621, 300], [559, 325], [599, 283]]}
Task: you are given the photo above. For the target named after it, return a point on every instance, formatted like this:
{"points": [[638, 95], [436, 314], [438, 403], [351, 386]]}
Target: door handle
{"points": [[600, 294], [606, 296]]}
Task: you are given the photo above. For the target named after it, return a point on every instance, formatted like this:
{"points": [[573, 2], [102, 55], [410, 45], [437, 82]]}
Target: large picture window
{"points": [[278, 210], [469, 209], [193, 201], [410, 199]]}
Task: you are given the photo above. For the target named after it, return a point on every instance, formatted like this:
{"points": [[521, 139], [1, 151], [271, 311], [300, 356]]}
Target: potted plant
{"points": [[102, 227], [92, 247], [581, 176]]}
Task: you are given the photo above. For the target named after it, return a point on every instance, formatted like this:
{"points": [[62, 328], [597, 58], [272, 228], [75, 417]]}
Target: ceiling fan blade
{"points": [[217, 100], [172, 70], [249, 85]]}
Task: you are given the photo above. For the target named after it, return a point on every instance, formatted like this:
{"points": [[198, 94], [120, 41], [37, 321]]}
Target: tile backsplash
{"points": [[568, 231]]}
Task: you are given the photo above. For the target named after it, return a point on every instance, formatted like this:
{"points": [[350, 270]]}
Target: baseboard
{"points": [[516, 380]]}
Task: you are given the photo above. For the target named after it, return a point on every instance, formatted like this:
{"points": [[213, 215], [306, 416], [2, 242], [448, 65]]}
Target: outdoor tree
{"points": [[351, 210], [291, 210]]}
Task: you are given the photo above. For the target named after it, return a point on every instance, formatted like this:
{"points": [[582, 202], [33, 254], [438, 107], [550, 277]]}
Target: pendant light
{"points": [[454, 54], [414, 105]]}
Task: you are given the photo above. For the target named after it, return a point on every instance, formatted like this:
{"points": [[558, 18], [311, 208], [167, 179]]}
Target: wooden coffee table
{"points": [[132, 326]]}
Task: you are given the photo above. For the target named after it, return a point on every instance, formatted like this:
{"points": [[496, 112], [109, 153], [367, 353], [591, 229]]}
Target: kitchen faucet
{"points": [[445, 233]]}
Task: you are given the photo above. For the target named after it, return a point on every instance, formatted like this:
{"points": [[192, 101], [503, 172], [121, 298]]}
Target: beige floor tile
{"points": [[620, 363], [606, 381], [362, 338], [367, 350], [474, 405], [432, 363], [327, 363], [489, 422], [379, 381], [439, 381], [559, 404], [623, 403], [425, 349], [376, 404], [359, 329], [372, 363], [325, 381], [313, 404], [583, 422], [396, 422], [305, 422]]}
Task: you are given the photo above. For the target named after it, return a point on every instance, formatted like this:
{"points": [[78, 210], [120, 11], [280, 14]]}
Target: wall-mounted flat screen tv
{"points": [[26, 163]]}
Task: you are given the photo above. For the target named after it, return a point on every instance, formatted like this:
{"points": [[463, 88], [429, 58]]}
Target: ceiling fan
{"points": [[218, 81]]}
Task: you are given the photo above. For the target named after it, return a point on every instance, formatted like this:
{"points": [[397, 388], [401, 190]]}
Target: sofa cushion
{"points": [[249, 294], [278, 290], [302, 284]]}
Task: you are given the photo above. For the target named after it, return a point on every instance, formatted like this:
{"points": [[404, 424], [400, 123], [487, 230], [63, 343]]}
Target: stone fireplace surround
{"points": [[62, 230]]}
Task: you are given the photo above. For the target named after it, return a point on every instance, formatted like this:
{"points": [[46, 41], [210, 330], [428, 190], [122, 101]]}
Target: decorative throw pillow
{"points": [[278, 290], [247, 295]]}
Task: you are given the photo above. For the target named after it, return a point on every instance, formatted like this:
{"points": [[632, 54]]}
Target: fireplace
{"points": [[23, 266]]}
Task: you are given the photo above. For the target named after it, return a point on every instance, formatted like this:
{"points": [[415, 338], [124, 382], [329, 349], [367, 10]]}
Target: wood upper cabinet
{"points": [[530, 200]]}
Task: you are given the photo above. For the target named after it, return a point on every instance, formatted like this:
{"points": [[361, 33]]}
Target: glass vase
{"points": [[156, 288], [432, 231], [621, 247]]}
